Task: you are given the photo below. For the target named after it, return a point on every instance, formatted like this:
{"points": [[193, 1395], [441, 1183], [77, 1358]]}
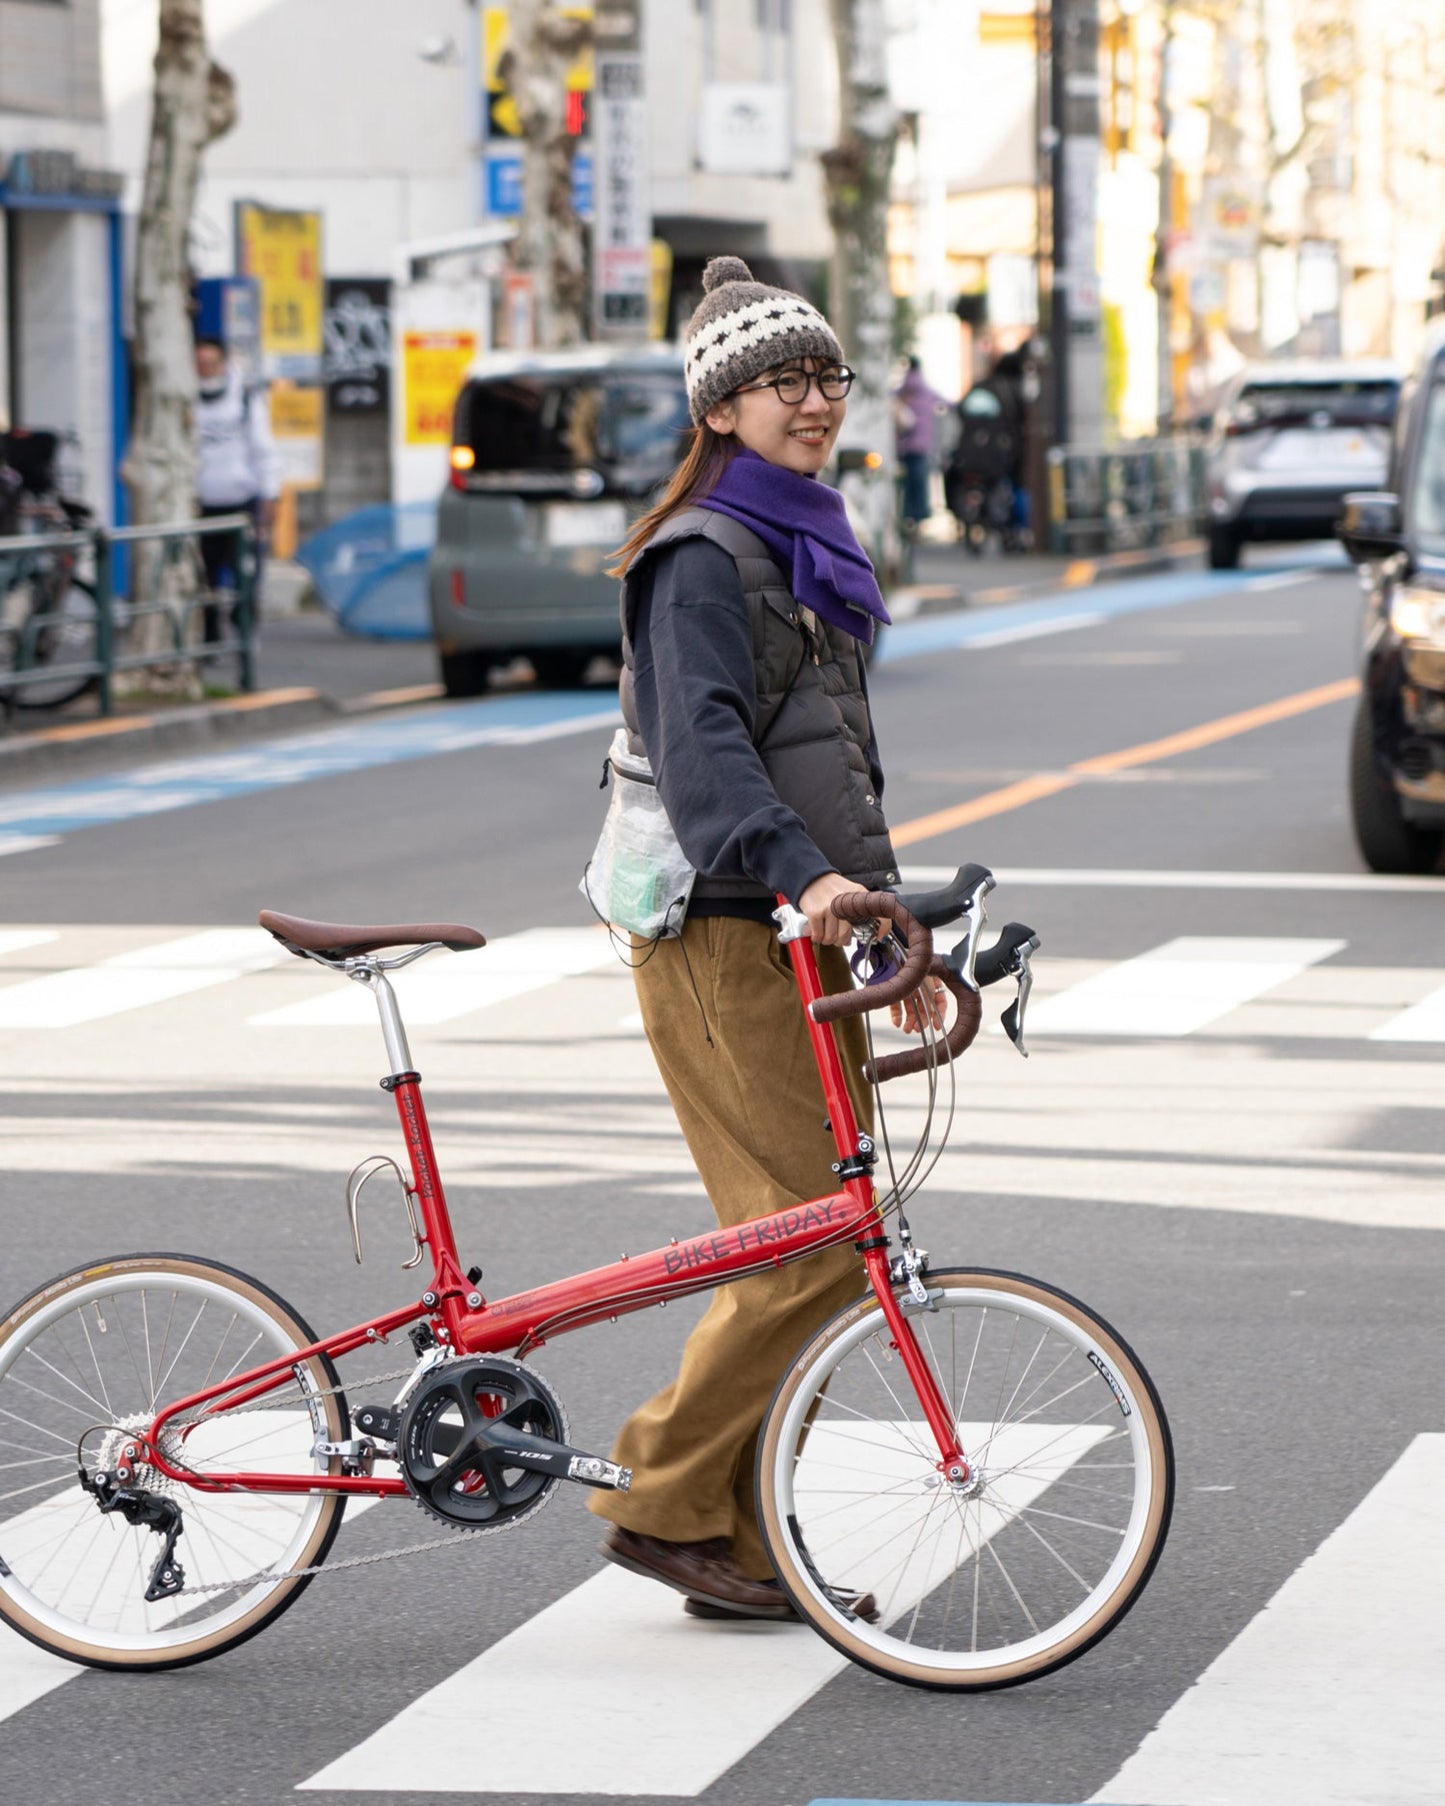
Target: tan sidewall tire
{"points": [[328, 1519], [1005, 1674]]}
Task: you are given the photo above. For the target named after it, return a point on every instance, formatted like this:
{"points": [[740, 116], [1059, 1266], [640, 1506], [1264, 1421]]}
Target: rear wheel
{"points": [[63, 635], [1387, 842], [560, 667], [86, 1362], [1035, 1557], [1224, 549], [465, 673]]}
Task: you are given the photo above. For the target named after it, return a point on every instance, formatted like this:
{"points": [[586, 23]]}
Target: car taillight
{"points": [[462, 460], [458, 590]]}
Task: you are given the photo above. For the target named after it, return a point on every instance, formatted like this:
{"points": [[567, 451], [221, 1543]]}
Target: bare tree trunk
{"points": [[194, 102], [542, 43], [858, 175]]}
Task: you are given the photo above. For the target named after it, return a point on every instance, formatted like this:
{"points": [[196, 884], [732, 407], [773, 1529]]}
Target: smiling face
{"points": [[798, 436]]}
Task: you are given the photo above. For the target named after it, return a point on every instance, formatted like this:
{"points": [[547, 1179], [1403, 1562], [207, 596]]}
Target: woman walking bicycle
{"points": [[746, 605]]}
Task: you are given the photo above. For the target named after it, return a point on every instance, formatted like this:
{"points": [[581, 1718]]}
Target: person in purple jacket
{"points": [[916, 408]]}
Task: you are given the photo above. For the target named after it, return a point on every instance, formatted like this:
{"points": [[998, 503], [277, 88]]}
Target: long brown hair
{"points": [[707, 456]]}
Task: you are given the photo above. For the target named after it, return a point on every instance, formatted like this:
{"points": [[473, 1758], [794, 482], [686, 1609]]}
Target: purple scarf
{"points": [[805, 525]]}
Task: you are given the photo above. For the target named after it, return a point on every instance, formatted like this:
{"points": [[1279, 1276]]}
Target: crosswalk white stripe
{"points": [[1423, 1021], [28, 1673], [1331, 1694], [639, 1698], [15, 940], [464, 982], [131, 980], [1179, 987]]}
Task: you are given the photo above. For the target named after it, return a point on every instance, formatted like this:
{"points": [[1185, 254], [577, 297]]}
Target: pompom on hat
{"points": [[742, 328]]}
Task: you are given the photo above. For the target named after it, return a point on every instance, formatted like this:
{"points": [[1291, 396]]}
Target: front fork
{"points": [[952, 1463]]}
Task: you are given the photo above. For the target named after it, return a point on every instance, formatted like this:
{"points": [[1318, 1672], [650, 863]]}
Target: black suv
{"points": [[1397, 749]]}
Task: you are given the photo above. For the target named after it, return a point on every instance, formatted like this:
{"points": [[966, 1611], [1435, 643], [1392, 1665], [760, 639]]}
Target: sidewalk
{"points": [[310, 672]]}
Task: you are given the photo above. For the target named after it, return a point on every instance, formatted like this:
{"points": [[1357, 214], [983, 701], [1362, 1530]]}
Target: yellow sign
{"points": [[433, 369], [502, 110], [282, 250], [298, 426], [661, 288]]}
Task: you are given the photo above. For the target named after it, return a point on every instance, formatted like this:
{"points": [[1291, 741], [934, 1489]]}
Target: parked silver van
{"points": [[554, 454]]}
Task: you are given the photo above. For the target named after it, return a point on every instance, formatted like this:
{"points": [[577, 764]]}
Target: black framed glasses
{"points": [[792, 385]]}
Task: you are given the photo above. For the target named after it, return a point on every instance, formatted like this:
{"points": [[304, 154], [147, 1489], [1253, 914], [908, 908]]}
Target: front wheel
{"points": [[61, 633], [88, 1361], [1019, 1569]]}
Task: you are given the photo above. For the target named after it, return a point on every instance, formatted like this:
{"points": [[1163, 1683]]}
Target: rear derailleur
{"points": [[146, 1510]]}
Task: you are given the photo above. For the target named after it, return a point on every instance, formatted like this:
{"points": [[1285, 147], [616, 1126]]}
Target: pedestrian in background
{"points": [[746, 605], [916, 408], [237, 469]]}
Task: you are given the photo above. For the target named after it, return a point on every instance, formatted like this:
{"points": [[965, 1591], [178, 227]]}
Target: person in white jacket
{"points": [[237, 469]]}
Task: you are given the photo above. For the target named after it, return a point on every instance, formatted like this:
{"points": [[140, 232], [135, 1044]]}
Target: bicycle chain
{"points": [[357, 1561]]}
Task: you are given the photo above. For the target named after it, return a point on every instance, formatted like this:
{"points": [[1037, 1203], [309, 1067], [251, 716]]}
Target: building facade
{"points": [[62, 365]]}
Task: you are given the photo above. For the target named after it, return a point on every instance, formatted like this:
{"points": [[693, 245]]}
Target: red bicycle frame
{"points": [[462, 1319]]}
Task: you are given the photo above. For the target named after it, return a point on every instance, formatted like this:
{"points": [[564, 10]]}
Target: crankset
{"points": [[482, 1442]]}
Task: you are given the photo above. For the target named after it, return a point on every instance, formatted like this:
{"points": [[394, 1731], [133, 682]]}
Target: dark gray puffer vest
{"points": [[811, 727]]}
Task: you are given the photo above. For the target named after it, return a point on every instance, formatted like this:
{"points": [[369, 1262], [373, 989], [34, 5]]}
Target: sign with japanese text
{"points": [[297, 426], [622, 208], [434, 367], [281, 248]]}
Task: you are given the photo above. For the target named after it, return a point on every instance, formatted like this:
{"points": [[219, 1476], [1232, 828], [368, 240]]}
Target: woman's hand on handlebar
{"points": [[930, 997], [816, 904]]}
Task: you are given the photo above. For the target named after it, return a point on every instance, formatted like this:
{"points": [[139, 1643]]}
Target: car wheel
{"points": [[1223, 549], [560, 667], [465, 673], [1386, 840]]}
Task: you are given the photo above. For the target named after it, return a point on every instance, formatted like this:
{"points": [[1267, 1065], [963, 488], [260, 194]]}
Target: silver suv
{"points": [[1288, 441], [554, 454]]}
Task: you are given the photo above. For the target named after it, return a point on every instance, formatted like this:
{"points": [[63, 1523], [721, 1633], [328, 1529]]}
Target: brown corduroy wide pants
{"points": [[732, 1044]]}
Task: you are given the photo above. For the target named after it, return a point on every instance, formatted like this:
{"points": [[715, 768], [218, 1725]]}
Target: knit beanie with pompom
{"points": [[742, 328]]}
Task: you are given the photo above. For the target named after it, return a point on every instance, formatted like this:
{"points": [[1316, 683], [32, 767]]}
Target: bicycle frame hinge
{"points": [[860, 1163]]}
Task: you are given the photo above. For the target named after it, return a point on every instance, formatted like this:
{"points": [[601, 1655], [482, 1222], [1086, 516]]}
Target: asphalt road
{"points": [[1250, 1187]]}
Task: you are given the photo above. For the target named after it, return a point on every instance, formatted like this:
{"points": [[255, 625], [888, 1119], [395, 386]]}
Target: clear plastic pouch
{"points": [[638, 878]]}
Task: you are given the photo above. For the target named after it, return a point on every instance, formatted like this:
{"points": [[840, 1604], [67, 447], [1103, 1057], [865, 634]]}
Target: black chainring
{"points": [[445, 1467]]}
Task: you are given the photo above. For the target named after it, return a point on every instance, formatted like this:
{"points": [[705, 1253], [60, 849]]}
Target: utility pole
{"points": [[1164, 410], [1076, 341]]}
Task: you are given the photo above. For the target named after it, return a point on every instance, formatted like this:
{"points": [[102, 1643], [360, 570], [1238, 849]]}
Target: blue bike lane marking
{"points": [[30, 819]]}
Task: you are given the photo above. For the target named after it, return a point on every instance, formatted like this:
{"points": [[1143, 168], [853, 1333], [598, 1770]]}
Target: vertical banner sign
{"points": [[622, 203], [357, 327], [281, 249], [434, 368], [298, 430]]}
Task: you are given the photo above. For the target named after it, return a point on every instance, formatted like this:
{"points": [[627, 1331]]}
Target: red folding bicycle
{"points": [[979, 1451]]}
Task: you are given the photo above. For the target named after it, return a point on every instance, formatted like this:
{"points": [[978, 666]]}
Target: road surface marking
{"points": [[27, 1672], [1177, 988], [15, 940], [132, 980], [1423, 1021], [622, 1676], [26, 843], [1045, 784], [1108, 878], [464, 982], [1332, 1693]]}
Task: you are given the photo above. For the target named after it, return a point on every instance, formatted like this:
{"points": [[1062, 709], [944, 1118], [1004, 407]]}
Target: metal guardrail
{"points": [[1143, 492], [94, 630]]}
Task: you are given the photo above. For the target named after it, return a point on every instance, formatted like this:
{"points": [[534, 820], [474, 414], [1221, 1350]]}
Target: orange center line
{"points": [[1032, 790]]}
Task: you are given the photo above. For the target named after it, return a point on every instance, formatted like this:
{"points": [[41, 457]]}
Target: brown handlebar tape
{"points": [[958, 1039], [866, 906]]}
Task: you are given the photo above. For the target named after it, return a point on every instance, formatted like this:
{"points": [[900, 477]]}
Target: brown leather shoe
{"points": [[704, 1571], [862, 1605]]}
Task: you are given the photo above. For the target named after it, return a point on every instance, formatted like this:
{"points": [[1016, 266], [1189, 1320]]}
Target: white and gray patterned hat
{"points": [[742, 328]]}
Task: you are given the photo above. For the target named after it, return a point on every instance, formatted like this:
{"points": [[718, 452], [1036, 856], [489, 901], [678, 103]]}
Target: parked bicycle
{"points": [[47, 600], [978, 1450]]}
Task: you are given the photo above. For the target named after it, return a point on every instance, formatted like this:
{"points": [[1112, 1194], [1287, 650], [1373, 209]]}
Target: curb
{"points": [[209, 725], [946, 598]]}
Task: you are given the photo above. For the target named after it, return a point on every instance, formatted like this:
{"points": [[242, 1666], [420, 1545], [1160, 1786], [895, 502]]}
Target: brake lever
{"points": [[1013, 1016], [974, 917]]}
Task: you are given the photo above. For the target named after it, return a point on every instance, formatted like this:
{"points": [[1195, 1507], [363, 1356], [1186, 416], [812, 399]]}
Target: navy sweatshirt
{"points": [[696, 693]]}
